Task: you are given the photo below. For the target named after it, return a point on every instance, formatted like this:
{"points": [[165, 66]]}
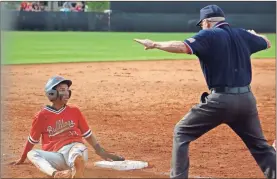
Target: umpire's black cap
{"points": [[210, 11]]}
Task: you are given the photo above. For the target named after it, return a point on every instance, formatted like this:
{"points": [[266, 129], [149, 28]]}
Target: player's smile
{"points": [[64, 92], [65, 99]]}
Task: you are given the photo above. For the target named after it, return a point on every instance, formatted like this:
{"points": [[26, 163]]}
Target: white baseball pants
{"points": [[49, 162]]}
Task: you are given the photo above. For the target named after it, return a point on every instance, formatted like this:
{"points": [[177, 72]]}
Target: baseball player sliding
{"points": [[61, 128], [224, 54]]}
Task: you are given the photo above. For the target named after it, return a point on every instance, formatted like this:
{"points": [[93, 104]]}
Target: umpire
{"points": [[224, 54]]}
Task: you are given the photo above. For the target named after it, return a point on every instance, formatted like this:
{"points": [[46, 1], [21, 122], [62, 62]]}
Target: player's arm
{"points": [[87, 134], [28, 147], [33, 139], [168, 46], [91, 139], [101, 151]]}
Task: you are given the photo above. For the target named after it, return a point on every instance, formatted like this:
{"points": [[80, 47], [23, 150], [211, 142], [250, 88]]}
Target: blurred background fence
{"points": [[137, 16]]}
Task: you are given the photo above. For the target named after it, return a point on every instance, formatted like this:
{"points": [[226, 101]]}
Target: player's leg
{"points": [[76, 155], [48, 162], [249, 129], [200, 119]]}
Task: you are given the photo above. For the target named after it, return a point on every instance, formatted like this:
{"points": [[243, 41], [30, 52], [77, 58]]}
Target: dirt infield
{"points": [[132, 108]]}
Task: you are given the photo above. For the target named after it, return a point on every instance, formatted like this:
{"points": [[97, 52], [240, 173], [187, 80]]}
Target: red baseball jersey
{"points": [[58, 128]]}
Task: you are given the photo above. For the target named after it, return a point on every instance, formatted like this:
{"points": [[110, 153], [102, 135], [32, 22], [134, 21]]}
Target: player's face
{"points": [[63, 92]]}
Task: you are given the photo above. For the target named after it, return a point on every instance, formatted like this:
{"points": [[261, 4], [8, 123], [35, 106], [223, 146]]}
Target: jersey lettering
{"points": [[60, 127]]}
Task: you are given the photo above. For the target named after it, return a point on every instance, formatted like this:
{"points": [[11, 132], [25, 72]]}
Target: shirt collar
{"points": [[220, 24]]}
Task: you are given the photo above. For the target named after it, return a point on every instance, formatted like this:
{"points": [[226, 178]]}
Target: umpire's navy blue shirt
{"points": [[224, 54]]}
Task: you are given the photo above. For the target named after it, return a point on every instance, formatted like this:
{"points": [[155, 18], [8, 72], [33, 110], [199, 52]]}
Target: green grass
{"points": [[53, 47]]}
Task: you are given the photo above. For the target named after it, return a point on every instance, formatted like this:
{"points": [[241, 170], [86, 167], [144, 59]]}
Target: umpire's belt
{"points": [[231, 90]]}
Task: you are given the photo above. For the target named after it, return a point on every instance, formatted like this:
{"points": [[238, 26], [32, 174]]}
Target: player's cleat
{"points": [[63, 174], [79, 167]]}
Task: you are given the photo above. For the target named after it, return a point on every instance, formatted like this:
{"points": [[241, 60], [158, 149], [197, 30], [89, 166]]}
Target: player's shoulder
{"points": [[40, 113], [73, 108], [47, 111]]}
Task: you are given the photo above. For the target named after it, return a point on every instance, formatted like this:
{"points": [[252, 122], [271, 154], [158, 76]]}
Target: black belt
{"points": [[231, 90]]}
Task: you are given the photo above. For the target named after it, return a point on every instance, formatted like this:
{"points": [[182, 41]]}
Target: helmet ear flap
{"points": [[52, 95], [69, 93]]}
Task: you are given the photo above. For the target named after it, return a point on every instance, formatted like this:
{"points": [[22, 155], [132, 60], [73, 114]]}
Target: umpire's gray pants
{"points": [[239, 112]]}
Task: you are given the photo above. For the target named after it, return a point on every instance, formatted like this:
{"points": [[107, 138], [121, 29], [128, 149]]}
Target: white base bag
{"points": [[122, 165]]}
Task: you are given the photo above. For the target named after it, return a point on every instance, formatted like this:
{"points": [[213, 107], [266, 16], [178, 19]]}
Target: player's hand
{"points": [[148, 44], [110, 157], [102, 154], [100, 151], [106, 155], [18, 162], [114, 157]]}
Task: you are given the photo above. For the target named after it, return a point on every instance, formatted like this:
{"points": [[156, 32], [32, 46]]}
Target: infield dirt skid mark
{"points": [[134, 115]]}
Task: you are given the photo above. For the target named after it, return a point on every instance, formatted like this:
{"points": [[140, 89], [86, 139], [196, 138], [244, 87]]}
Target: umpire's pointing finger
{"points": [[139, 41]]}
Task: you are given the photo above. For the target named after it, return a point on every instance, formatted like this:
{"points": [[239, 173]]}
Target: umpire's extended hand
{"points": [[148, 44]]}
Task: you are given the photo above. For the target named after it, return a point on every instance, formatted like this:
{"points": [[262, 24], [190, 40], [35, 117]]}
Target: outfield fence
{"points": [[126, 21]]}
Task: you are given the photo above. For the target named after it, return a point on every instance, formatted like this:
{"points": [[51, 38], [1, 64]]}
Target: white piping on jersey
{"points": [[224, 23], [87, 134], [189, 47], [54, 111], [32, 141]]}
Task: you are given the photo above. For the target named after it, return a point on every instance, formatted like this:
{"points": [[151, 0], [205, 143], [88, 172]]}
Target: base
{"points": [[122, 165]]}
